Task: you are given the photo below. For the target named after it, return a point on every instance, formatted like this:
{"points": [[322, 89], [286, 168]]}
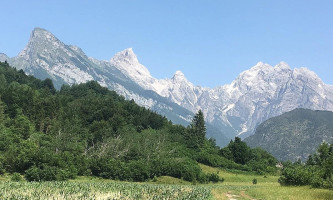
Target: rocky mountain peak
{"points": [[40, 35], [282, 66], [127, 56], [41, 41], [127, 62], [3, 57], [179, 76]]}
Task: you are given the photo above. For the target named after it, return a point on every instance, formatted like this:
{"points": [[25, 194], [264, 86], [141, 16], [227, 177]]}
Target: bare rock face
{"points": [[3, 57], [234, 109]]}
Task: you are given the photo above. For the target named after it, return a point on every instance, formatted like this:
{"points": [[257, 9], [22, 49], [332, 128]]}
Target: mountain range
{"points": [[234, 109]]}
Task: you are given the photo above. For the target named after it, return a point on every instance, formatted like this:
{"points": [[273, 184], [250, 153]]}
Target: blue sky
{"points": [[211, 42]]}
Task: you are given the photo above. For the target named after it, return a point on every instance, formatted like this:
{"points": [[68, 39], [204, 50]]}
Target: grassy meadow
{"points": [[237, 186]]}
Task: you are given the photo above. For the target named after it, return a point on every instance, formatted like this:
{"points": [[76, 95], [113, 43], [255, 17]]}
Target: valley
{"points": [[166, 100]]}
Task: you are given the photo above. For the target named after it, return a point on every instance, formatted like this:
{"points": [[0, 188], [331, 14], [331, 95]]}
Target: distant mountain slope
{"points": [[295, 134]]}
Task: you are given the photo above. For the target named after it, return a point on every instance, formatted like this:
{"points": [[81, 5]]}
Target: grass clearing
{"points": [[237, 186]]}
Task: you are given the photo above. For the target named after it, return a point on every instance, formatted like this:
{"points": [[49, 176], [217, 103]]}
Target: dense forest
{"points": [[48, 134]]}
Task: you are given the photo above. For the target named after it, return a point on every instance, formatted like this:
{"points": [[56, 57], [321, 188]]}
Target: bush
{"points": [[203, 178], [328, 183], [213, 177], [296, 175], [209, 159], [317, 182], [139, 170], [184, 168], [47, 173], [111, 169], [16, 177], [254, 181]]}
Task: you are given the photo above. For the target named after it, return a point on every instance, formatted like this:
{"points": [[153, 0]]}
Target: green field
{"points": [[237, 186]]}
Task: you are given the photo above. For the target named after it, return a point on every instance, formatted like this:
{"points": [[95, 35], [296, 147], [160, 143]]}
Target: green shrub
{"points": [[203, 178], [16, 177], [254, 181], [47, 173], [214, 178], [139, 170], [295, 175]]}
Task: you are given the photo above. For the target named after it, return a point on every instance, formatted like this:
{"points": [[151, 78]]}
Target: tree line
{"points": [[89, 130]]}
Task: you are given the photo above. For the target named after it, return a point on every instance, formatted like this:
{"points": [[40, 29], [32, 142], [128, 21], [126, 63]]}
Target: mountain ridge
{"points": [[234, 109]]}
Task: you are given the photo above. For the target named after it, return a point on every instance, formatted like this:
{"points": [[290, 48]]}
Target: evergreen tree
{"points": [[197, 131], [199, 125], [240, 151]]}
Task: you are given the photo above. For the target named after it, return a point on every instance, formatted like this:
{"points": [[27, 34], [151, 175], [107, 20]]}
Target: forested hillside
{"points": [[294, 135], [86, 129]]}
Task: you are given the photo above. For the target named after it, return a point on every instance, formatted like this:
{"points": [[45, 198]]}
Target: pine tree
{"points": [[199, 125], [197, 130]]}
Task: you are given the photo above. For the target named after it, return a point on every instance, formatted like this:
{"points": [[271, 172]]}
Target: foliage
{"points": [[86, 129], [214, 178], [247, 159], [196, 131], [294, 135], [47, 173], [317, 172], [16, 177]]}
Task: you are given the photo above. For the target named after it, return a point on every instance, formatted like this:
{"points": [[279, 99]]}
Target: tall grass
{"points": [[239, 186], [236, 186]]}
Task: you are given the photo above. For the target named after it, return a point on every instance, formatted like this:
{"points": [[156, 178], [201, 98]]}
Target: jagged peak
{"points": [[40, 33], [253, 71], [38, 29], [40, 39], [3, 57], [179, 73], [127, 62], [179, 76], [282, 65], [261, 65], [127, 55]]}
